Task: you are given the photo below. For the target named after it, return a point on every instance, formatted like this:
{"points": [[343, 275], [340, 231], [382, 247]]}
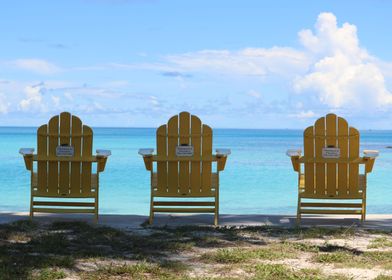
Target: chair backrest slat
{"points": [[354, 167], [344, 147], [184, 178], [87, 166], [184, 139], [42, 150], [162, 166], [331, 141], [76, 142], [65, 133], [64, 178], [53, 170], [326, 178], [205, 154], [309, 167], [172, 172], [319, 129], [195, 165]]}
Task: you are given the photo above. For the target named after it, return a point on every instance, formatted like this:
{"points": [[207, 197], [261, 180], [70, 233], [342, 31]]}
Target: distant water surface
{"points": [[258, 177]]}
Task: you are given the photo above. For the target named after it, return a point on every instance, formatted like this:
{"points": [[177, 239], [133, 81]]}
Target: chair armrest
{"points": [[221, 156], [370, 156], [370, 153], [146, 152], [295, 154], [104, 153], [26, 151], [28, 157], [222, 152], [102, 157]]}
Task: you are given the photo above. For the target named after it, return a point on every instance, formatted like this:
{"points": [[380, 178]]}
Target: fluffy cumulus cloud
{"points": [[342, 73], [33, 100], [330, 71]]}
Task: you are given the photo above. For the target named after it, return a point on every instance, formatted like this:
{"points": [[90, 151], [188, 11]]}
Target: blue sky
{"points": [[237, 64]]}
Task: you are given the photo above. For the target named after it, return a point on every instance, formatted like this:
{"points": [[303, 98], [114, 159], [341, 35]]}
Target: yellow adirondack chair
{"points": [[64, 171], [184, 162], [332, 169]]}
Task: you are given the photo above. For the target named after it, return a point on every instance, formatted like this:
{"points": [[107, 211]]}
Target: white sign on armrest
{"points": [[64, 151], [184, 151], [331, 153]]}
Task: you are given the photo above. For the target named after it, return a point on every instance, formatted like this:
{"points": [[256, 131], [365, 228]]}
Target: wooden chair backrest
{"points": [[70, 177], [184, 178], [331, 179]]}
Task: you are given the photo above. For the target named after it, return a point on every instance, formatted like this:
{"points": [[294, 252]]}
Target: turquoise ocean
{"points": [[258, 177]]}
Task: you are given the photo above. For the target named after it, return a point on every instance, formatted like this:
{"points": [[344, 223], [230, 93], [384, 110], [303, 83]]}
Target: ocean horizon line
{"points": [[219, 128]]}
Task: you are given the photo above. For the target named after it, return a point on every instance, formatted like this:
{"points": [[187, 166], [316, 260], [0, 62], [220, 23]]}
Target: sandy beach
{"points": [[189, 247]]}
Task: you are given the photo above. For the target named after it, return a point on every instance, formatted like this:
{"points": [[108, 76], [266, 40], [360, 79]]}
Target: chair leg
{"points": [[31, 209], [363, 215], [298, 221], [96, 216], [96, 210], [151, 219], [216, 217]]}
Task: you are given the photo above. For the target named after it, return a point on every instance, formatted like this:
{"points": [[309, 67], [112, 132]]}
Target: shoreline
{"points": [[126, 221]]}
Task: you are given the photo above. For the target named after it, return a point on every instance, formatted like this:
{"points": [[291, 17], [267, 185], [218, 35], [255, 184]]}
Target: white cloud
{"points": [[4, 104], [304, 115], [34, 99], [250, 61], [55, 100], [254, 94], [38, 66], [331, 69], [343, 75]]}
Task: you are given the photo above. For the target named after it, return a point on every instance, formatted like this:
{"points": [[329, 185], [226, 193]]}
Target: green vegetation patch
{"points": [[380, 242]]}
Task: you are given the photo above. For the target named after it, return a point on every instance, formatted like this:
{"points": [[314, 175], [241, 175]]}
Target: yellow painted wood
{"points": [[53, 169], [65, 132], [336, 179], [42, 166], [183, 203], [369, 165], [354, 167], [68, 159], [332, 212], [341, 205], [162, 166], [325, 196], [184, 210], [206, 166], [204, 194], [172, 129], [309, 153], [332, 143], [185, 177], [184, 139], [56, 203], [67, 178], [63, 210], [343, 167], [76, 142], [195, 181], [82, 195], [86, 166], [319, 129]]}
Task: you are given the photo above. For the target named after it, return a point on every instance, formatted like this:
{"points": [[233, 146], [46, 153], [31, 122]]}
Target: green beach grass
{"points": [[77, 250]]}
